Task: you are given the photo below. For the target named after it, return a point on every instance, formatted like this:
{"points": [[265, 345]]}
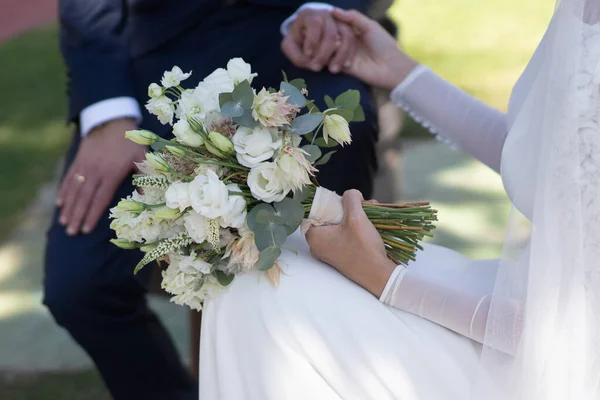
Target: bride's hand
{"points": [[378, 61], [354, 247]]}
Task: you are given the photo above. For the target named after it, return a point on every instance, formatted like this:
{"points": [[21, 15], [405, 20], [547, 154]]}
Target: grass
{"points": [[33, 133], [481, 46]]}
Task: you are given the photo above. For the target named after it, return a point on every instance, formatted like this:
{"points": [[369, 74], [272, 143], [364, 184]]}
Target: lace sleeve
{"points": [[462, 308], [453, 115]]}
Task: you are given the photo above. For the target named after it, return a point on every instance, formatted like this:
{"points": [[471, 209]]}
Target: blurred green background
{"points": [[480, 45]]}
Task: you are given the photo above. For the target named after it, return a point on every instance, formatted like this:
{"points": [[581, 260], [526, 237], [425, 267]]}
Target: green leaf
{"points": [[246, 119], [321, 143], [312, 107], [252, 219], [359, 114], [295, 97], [314, 152], [285, 78], [225, 98], [308, 136], [271, 235], [302, 194], [267, 258], [243, 94], [290, 250], [325, 159], [299, 83], [306, 123], [223, 278], [348, 100], [329, 101], [232, 109], [346, 114], [158, 146], [292, 212]]}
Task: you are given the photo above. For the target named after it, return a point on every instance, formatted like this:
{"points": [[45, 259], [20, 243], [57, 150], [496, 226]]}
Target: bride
{"points": [[526, 327]]}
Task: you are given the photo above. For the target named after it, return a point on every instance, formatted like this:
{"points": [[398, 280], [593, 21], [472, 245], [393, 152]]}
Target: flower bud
{"points": [[131, 205], [157, 162], [221, 142], [124, 244], [209, 146], [146, 248], [176, 151], [167, 213], [336, 127], [142, 137], [154, 90]]}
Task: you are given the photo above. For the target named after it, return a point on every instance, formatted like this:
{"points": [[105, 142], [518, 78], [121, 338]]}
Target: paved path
{"points": [[17, 16]]}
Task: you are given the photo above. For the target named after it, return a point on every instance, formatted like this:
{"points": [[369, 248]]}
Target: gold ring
{"points": [[80, 178]]}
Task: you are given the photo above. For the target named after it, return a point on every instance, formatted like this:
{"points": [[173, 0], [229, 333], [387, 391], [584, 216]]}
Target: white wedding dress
{"points": [[320, 336]]}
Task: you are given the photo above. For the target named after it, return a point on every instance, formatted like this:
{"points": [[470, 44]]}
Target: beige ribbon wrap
{"points": [[326, 209]]}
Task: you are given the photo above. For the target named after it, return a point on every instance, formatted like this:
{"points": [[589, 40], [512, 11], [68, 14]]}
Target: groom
{"points": [[113, 50]]}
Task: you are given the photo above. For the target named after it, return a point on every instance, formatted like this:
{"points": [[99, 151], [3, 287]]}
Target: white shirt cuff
{"points": [[285, 26], [398, 92], [392, 284], [107, 110]]}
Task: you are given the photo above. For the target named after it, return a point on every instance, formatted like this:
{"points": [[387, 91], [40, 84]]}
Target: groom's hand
{"points": [[354, 247], [316, 40], [105, 157]]}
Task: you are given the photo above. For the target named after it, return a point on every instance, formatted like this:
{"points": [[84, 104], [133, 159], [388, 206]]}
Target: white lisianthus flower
{"points": [[209, 196], [236, 215], [272, 109], [267, 183], [336, 127], [191, 105], [177, 196], [240, 71], [174, 77], [254, 146], [207, 92], [163, 108], [295, 167], [242, 253], [155, 90], [186, 135], [196, 226], [142, 227], [151, 196]]}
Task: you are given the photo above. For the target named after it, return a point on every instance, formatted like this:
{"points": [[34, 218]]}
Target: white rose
{"points": [[174, 77], [209, 196], [207, 92], [254, 146], [267, 183], [196, 226], [162, 107], [155, 90], [177, 196], [236, 215], [219, 81], [190, 104], [186, 135], [240, 71]]}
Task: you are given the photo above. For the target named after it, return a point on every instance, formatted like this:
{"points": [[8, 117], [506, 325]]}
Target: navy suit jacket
{"points": [[115, 48]]}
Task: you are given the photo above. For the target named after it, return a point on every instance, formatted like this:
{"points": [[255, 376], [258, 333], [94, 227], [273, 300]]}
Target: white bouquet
{"points": [[222, 197]]}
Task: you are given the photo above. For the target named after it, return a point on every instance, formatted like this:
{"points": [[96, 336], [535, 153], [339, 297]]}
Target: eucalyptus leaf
{"points": [[292, 211], [295, 97], [253, 214], [308, 136], [306, 123], [346, 114], [321, 143], [290, 250], [348, 100], [232, 109], [246, 120], [223, 278], [329, 101], [267, 258], [243, 94], [314, 152], [312, 107], [325, 159], [271, 235], [359, 114], [225, 98], [299, 83]]}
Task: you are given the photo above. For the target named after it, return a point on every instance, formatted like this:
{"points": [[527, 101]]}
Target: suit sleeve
{"points": [[94, 45], [360, 5]]}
